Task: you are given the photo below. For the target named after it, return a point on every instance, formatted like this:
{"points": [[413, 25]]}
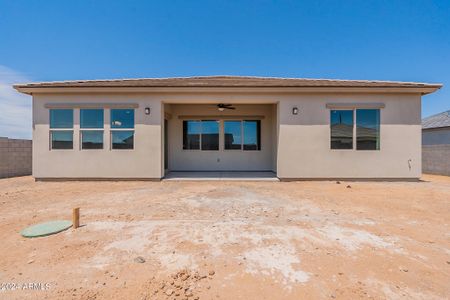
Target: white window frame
{"points": [[112, 130], [102, 129], [51, 130]]}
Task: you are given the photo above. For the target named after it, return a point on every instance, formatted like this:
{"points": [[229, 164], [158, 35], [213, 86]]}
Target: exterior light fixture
{"points": [[295, 111], [147, 110], [221, 109]]}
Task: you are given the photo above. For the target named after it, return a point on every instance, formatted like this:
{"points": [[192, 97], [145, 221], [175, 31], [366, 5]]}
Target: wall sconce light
{"points": [[295, 111], [147, 110]]}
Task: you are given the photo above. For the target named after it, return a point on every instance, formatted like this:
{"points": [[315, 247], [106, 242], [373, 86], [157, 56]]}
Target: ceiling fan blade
{"points": [[230, 107]]}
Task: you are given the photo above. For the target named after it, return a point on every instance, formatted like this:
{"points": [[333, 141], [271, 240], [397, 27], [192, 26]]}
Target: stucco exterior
{"points": [[304, 140], [144, 161], [292, 146]]}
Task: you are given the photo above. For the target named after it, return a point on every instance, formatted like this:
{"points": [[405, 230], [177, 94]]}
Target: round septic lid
{"points": [[47, 228]]}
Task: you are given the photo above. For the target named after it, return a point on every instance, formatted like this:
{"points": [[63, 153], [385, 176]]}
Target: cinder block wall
{"points": [[15, 157], [436, 159]]}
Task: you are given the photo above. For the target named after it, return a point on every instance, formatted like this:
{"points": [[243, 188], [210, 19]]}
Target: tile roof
{"points": [[436, 121], [227, 81]]}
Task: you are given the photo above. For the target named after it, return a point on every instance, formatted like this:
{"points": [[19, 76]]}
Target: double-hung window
{"points": [[91, 124], [61, 129], [242, 135], [366, 128], [201, 135], [122, 128]]}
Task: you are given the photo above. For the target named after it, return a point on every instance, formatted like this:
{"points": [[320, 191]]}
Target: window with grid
{"points": [[91, 124], [122, 129], [61, 129]]}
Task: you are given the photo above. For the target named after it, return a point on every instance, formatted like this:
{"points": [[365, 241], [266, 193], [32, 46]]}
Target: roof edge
{"points": [[223, 81]]}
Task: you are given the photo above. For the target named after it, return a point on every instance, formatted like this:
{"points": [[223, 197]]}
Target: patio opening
{"points": [[220, 141]]}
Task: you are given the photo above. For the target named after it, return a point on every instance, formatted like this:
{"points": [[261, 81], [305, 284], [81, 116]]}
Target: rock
{"points": [[184, 277], [338, 182], [169, 292], [211, 273], [188, 294], [30, 261], [139, 260], [349, 186]]}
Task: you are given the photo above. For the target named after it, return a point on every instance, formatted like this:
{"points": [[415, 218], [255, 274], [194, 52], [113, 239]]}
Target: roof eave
{"points": [[26, 89]]}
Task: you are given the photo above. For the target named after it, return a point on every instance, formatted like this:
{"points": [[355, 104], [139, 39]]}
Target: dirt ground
{"points": [[228, 240]]}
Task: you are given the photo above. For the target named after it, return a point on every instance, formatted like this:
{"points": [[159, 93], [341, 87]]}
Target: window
{"points": [[122, 128], [233, 135], [62, 139], [191, 135], [244, 135], [61, 118], [61, 129], [122, 139], [92, 139], [201, 135], [91, 118], [341, 129], [122, 118], [367, 129], [210, 135], [90, 121], [252, 135]]}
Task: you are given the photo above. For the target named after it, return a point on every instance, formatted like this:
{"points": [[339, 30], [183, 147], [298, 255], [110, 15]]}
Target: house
{"points": [[436, 144], [295, 128]]}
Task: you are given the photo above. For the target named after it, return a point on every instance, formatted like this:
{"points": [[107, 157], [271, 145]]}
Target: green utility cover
{"points": [[46, 228]]}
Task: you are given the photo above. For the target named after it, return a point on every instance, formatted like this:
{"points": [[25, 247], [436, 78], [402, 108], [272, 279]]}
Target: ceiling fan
{"points": [[222, 107]]}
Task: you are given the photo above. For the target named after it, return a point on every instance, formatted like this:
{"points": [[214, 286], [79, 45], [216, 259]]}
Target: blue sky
{"points": [[63, 40]]}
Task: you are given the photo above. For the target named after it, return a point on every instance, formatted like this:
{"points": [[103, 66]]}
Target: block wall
{"points": [[436, 159], [15, 157]]}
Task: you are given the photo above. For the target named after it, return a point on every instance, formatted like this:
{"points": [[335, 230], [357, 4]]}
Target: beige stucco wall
{"points": [[144, 161], [300, 145], [304, 140], [222, 160]]}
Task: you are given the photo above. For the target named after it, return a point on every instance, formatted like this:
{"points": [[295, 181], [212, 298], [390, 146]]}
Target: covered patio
{"points": [[220, 141]]}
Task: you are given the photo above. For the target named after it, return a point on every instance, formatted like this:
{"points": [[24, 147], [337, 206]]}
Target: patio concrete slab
{"points": [[221, 176]]}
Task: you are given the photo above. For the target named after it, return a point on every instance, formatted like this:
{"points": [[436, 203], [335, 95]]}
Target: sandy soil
{"points": [[228, 240]]}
